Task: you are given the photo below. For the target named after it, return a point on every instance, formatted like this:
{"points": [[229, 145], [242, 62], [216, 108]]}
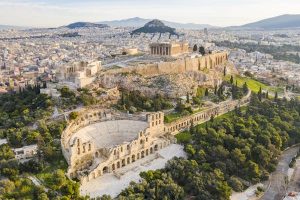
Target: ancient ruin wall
{"points": [[177, 66]]}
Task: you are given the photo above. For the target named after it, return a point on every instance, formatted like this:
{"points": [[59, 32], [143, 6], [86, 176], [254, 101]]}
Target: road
{"points": [[295, 179], [277, 186]]}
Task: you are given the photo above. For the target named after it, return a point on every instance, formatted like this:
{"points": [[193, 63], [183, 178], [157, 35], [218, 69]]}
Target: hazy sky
{"points": [[51, 13]]}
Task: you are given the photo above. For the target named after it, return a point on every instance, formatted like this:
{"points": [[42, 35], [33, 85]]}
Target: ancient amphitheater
{"points": [[102, 141]]}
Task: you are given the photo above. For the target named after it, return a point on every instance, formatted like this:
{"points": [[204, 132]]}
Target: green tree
{"points": [[276, 96], [259, 94], [195, 48], [245, 88], [206, 92], [202, 50], [6, 152], [73, 115], [231, 79], [235, 184]]}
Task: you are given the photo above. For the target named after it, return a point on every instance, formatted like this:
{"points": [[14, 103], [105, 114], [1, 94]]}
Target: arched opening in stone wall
{"points": [[147, 152], [105, 170], [151, 150], [97, 154], [128, 160], [123, 163], [118, 164], [133, 158], [113, 167], [156, 147], [143, 154], [138, 156]]}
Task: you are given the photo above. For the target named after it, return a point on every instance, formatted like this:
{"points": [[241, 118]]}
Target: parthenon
{"points": [[169, 48]]}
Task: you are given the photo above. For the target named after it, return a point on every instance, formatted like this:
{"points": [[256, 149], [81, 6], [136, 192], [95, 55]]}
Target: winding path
{"points": [[277, 184]]}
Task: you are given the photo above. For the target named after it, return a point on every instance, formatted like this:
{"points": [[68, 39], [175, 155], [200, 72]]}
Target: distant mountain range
{"points": [[155, 26], [85, 25], [139, 22], [279, 22], [5, 27]]}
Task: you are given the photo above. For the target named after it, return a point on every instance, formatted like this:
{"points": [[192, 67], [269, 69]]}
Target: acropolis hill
{"points": [[103, 140], [169, 76], [106, 141]]}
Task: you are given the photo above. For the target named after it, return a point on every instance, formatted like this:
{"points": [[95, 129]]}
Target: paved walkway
{"points": [[277, 184], [113, 184], [37, 182]]}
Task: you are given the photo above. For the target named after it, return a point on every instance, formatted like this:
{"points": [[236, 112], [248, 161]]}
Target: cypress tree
{"points": [[206, 92], [276, 96], [245, 87], [259, 94], [231, 79]]}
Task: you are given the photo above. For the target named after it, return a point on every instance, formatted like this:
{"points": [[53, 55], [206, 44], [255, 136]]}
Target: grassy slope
{"points": [[254, 85]]}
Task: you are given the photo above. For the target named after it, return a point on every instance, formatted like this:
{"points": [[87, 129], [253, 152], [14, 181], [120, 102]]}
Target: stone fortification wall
{"points": [[178, 66], [205, 115]]}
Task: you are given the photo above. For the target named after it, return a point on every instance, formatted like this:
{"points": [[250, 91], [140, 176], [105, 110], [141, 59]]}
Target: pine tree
{"points": [[225, 71], [231, 79], [267, 95], [187, 97]]}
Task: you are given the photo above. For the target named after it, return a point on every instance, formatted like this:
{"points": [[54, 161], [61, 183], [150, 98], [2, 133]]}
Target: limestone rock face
{"points": [[171, 85]]}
